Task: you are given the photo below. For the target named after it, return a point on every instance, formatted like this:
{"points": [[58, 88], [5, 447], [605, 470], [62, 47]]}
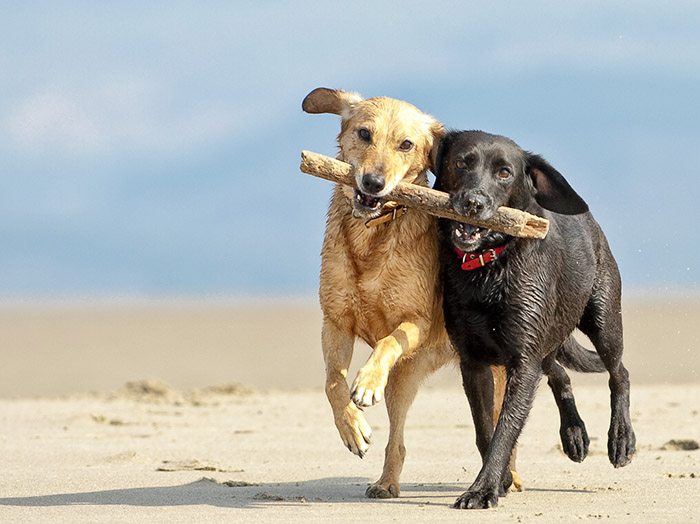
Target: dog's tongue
{"points": [[469, 230], [468, 233]]}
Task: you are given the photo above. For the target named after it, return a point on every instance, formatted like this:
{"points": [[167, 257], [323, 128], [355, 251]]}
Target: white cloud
{"points": [[52, 118], [120, 117]]}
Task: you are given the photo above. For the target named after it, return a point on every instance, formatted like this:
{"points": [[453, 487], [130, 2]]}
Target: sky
{"points": [[151, 149]]}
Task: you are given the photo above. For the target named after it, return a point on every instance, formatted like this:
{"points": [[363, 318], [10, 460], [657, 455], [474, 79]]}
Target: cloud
{"points": [[52, 118], [120, 117]]}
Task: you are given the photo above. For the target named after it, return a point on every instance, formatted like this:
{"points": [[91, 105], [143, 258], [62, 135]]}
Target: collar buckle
{"points": [[472, 261]]}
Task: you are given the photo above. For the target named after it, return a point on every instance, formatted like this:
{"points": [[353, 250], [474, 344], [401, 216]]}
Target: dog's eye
{"points": [[363, 134], [406, 145], [504, 173], [461, 164]]}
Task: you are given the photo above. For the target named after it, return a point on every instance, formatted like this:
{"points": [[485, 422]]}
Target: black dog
{"points": [[514, 301]]}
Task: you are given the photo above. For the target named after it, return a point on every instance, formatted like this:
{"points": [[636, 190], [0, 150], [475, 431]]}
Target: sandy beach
{"points": [[211, 411]]}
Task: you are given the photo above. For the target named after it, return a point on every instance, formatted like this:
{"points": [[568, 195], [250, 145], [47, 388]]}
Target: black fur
{"points": [[519, 309]]}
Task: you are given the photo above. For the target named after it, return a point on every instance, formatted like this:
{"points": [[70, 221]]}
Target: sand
{"points": [[236, 428]]}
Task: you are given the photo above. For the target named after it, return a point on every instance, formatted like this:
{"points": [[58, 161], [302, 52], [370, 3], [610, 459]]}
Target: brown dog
{"points": [[379, 274]]}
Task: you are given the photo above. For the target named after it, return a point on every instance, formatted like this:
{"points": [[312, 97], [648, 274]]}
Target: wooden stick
{"points": [[506, 220]]}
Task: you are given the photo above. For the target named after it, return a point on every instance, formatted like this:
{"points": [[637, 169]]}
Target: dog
{"points": [[379, 279], [526, 298], [379, 272]]}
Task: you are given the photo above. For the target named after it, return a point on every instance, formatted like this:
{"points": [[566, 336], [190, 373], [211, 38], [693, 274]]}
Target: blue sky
{"points": [[152, 148]]}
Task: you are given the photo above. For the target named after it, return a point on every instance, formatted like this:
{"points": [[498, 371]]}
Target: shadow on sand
{"points": [[210, 492]]}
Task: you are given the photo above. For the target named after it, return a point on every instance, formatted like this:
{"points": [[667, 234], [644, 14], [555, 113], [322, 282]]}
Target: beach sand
{"points": [[213, 411]]}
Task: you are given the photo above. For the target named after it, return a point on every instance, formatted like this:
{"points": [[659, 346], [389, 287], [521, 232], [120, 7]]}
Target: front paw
{"points": [[354, 430], [482, 499], [368, 387]]}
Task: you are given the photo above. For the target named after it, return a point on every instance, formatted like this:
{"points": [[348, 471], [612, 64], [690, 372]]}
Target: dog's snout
{"points": [[372, 183], [474, 202]]}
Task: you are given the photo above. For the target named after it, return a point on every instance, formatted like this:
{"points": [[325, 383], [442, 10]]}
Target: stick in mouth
{"points": [[507, 220]]}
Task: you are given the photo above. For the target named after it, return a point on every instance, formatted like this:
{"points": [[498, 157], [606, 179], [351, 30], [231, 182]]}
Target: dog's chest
{"points": [[372, 280], [477, 308]]}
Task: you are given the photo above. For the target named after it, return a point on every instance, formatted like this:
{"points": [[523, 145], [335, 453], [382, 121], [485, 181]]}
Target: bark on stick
{"points": [[506, 220]]}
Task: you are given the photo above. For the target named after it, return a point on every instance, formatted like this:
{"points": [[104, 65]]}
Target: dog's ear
{"points": [[438, 132], [324, 100], [436, 156], [552, 191], [441, 148]]}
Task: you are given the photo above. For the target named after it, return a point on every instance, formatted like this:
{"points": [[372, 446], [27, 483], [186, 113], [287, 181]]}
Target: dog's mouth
{"points": [[366, 206], [467, 236]]}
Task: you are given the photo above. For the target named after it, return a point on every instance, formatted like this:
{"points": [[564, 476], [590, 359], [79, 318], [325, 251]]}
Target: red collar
{"points": [[476, 260]]}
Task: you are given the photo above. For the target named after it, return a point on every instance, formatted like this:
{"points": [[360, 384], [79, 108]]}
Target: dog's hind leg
{"points": [[337, 348], [602, 323], [404, 380], [574, 438]]}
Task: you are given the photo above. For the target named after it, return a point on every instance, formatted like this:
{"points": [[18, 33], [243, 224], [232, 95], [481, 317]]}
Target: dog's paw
{"points": [[368, 387], [574, 441], [518, 484], [622, 443], [477, 500], [380, 490], [354, 430]]}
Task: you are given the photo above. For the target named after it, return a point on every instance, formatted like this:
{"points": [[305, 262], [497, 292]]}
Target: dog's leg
{"points": [[574, 438], [368, 386], [520, 392], [602, 323], [499, 391], [337, 353], [477, 381], [404, 380]]}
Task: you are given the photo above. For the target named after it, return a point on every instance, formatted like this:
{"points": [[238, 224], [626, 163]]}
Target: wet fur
{"points": [[518, 309]]}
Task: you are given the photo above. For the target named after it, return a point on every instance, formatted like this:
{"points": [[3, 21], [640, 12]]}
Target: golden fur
{"points": [[381, 283]]}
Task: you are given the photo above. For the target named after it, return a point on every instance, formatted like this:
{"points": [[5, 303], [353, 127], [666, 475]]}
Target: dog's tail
{"points": [[574, 356]]}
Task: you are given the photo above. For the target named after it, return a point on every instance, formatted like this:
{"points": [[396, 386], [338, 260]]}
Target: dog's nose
{"points": [[373, 184], [471, 203], [475, 203]]}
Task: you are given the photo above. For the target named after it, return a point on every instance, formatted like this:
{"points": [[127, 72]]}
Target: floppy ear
{"points": [[438, 132], [324, 100], [552, 191], [437, 155]]}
